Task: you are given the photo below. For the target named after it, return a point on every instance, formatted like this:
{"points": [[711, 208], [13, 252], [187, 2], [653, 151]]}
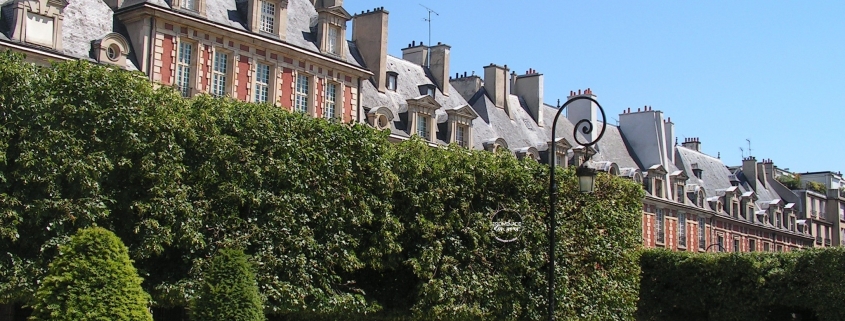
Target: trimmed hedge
{"points": [[92, 279], [339, 222], [743, 286], [228, 291]]}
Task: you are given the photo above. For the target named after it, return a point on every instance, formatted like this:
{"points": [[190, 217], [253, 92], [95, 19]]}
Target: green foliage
{"points": [[92, 278], [228, 291], [340, 223], [817, 187], [747, 286], [792, 182]]}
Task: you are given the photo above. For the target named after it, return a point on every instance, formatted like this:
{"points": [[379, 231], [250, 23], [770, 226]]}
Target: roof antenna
{"points": [[742, 152], [749, 146], [430, 11]]}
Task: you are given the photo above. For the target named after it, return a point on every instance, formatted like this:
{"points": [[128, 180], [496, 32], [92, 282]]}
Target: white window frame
{"points": [[190, 4], [267, 19], [263, 80], [659, 226], [461, 135], [702, 236], [422, 128], [682, 229], [333, 40], [302, 90], [392, 80], [220, 66], [184, 66], [330, 100]]}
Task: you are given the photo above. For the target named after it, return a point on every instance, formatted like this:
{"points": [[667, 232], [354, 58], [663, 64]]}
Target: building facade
{"points": [[294, 54]]}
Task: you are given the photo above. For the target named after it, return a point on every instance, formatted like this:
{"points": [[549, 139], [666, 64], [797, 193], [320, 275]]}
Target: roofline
{"points": [[225, 28], [37, 50]]}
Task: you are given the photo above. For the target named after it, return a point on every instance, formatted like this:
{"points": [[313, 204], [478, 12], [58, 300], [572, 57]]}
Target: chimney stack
{"points": [[692, 143], [417, 54], [497, 84], [530, 88], [369, 32], [440, 66], [749, 168], [585, 109]]}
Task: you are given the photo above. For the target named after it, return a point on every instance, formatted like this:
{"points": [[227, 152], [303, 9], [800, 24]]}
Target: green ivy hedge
{"points": [[337, 220], [749, 286]]}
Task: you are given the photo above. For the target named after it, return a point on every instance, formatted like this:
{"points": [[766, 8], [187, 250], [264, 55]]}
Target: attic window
{"points": [[427, 89], [113, 52], [391, 80]]}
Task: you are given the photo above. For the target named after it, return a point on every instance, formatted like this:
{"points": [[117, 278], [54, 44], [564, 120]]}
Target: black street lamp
{"points": [[586, 182]]}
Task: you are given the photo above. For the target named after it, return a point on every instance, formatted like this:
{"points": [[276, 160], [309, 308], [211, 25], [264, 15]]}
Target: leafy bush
{"points": [[792, 182], [742, 286], [228, 290], [817, 187], [92, 278], [339, 222]]}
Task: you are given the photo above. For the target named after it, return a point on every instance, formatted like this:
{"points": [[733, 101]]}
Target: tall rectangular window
{"points": [[680, 193], [262, 82], [330, 95], [702, 237], [268, 17], [333, 41], [460, 135], [752, 245], [218, 74], [659, 218], [183, 68], [301, 103], [422, 126], [682, 229], [736, 245], [721, 241]]}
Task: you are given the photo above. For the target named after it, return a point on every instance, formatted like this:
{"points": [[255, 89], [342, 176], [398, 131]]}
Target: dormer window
{"points": [[268, 16], [461, 135], [658, 187], [189, 4], [380, 117], [333, 41], [422, 126], [701, 198], [427, 90], [112, 49], [38, 22], [391, 80]]}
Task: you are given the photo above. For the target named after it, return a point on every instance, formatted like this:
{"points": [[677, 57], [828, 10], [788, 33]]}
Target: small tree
{"points": [[228, 291], [92, 278]]}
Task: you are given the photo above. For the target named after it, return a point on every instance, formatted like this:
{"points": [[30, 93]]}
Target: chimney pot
{"points": [[629, 110], [638, 110]]}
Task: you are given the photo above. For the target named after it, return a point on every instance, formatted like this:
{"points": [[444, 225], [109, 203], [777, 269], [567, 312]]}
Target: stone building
{"points": [[294, 54]]}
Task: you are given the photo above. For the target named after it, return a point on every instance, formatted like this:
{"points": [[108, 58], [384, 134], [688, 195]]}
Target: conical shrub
{"points": [[92, 278], [228, 291]]}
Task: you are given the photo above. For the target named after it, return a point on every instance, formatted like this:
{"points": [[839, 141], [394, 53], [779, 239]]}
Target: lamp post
{"points": [[586, 181]]}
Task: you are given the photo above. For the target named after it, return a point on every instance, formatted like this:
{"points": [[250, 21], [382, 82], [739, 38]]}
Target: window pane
{"points": [[183, 68], [330, 105], [422, 126], [301, 103], [218, 74], [262, 82], [659, 225], [268, 17]]}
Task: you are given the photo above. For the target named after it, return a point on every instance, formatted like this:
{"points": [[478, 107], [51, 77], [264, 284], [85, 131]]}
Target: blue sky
{"points": [[772, 72]]}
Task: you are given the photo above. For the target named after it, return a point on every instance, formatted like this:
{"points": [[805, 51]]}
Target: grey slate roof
{"points": [[612, 148], [84, 21], [301, 18], [409, 77], [519, 130], [714, 173]]}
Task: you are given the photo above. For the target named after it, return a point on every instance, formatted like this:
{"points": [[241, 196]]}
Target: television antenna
{"points": [[430, 11], [749, 146]]}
